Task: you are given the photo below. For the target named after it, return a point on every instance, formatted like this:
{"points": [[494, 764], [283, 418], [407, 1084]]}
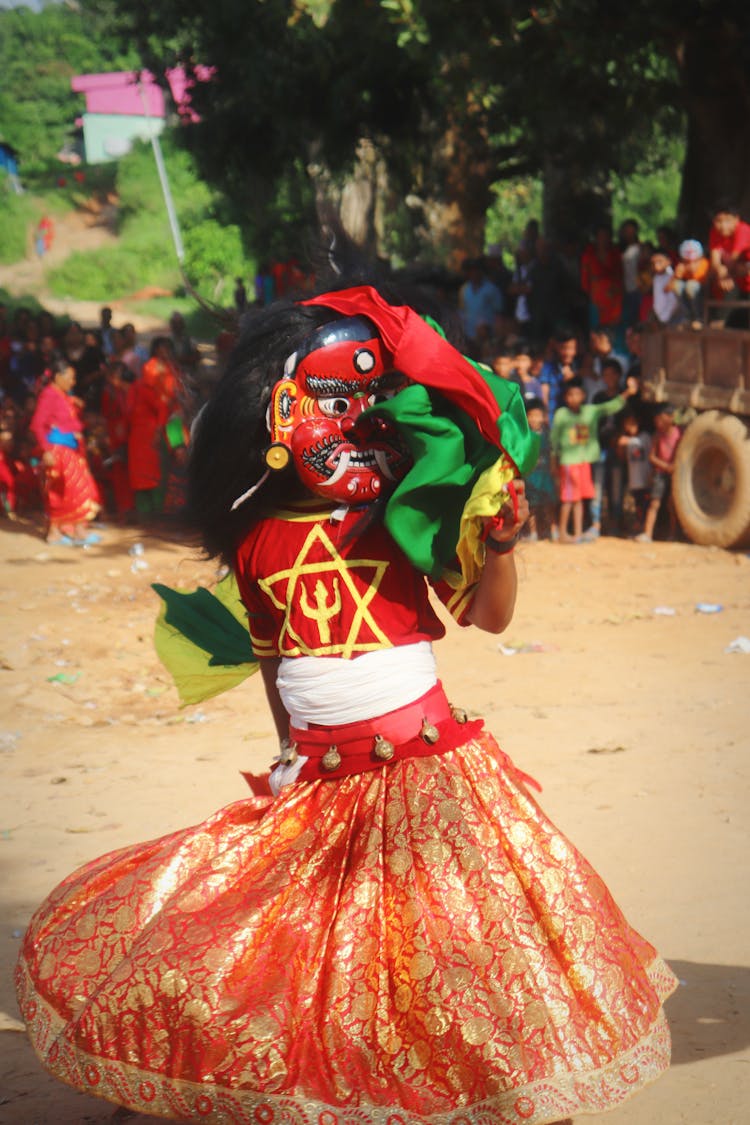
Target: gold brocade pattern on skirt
{"points": [[413, 942]]}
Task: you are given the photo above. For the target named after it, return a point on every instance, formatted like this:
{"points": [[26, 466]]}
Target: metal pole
{"points": [[164, 180]]}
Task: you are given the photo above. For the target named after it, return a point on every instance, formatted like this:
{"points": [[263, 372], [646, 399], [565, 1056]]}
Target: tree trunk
{"points": [[455, 210], [575, 201], [716, 88]]}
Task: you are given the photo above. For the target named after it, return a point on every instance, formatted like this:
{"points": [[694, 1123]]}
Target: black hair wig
{"points": [[230, 433]]}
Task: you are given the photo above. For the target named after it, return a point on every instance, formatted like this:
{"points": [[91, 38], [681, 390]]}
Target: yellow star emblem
{"points": [[292, 590]]}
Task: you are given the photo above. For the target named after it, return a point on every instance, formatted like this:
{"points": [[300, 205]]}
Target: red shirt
{"points": [[311, 589], [601, 280], [665, 445], [736, 245]]}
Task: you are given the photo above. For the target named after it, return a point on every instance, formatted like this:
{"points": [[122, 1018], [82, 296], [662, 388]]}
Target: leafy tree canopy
{"points": [[455, 96], [40, 51]]}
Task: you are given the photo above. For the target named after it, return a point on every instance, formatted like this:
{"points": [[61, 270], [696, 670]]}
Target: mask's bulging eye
{"points": [[333, 407]]}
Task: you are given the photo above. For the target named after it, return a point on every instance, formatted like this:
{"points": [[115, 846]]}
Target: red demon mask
{"points": [[316, 414]]}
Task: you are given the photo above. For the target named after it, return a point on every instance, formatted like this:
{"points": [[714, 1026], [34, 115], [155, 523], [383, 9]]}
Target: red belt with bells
{"points": [[428, 726]]}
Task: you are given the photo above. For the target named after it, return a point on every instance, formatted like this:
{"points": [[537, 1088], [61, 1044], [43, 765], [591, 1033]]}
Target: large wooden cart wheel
{"points": [[711, 482]]}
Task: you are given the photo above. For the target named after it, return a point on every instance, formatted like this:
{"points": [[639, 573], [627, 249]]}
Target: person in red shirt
{"points": [[667, 436], [152, 400], [601, 279], [729, 248]]}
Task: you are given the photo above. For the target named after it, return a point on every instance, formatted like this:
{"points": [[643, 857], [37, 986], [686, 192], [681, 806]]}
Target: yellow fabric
{"points": [[487, 497]]}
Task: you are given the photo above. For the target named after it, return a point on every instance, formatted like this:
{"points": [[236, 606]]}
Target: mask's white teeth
{"points": [[382, 462], [340, 469]]}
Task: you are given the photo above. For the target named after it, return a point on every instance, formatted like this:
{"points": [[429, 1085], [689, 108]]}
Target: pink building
{"points": [[125, 106]]}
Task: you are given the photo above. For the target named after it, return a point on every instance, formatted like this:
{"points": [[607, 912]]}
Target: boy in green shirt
{"points": [[575, 446]]}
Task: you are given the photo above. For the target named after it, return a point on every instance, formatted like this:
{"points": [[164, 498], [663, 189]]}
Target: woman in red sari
{"points": [[72, 498], [153, 399], [601, 279]]}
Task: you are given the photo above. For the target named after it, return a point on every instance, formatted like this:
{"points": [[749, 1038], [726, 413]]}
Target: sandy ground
{"points": [[634, 719]]}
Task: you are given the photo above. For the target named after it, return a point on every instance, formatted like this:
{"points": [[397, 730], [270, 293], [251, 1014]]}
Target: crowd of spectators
{"points": [[129, 404], [567, 326]]}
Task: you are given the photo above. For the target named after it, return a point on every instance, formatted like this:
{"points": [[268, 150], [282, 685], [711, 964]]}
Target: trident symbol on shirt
{"points": [[321, 613]]}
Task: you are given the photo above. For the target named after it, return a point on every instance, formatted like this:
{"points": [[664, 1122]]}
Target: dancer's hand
{"points": [[512, 516]]}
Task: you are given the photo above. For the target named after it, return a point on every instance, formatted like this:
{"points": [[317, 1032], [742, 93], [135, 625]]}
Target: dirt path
{"points": [[610, 687], [87, 229]]}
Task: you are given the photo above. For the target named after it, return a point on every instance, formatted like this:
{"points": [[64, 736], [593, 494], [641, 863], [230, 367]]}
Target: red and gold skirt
{"points": [[72, 494], [412, 943]]}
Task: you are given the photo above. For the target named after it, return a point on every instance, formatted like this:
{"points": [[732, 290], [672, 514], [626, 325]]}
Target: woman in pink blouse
{"points": [[71, 495]]}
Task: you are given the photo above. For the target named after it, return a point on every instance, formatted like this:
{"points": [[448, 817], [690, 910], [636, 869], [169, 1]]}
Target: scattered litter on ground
{"points": [[196, 717], [64, 678], [664, 611], [515, 650], [136, 553], [739, 644], [708, 607]]}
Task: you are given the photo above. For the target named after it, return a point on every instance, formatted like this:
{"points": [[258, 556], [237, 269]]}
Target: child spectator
{"points": [[667, 436], [185, 351], [106, 332], [503, 365], [530, 386], [575, 447], [728, 241], [540, 484], [666, 241], [559, 369], [133, 354], [602, 348], [630, 249], [690, 274], [519, 288], [607, 471], [634, 447], [480, 304], [115, 411], [666, 308]]}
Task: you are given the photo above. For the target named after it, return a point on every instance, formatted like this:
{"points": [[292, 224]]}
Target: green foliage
{"points": [[515, 202], [139, 187], [18, 216], [28, 302], [104, 275], [40, 51], [145, 256], [213, 257], [453, 104], [650, 197]]}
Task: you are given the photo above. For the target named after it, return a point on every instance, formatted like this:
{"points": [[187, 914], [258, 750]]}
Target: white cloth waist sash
{"points": [[332, 691]]}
